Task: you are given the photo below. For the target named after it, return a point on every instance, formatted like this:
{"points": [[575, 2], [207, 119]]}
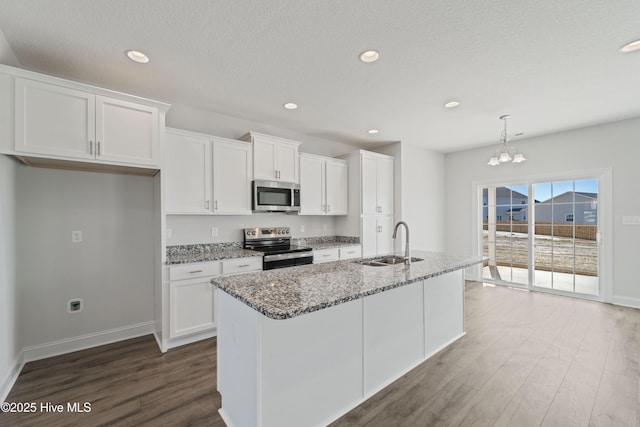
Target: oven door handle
{"points": [[293, 255]]}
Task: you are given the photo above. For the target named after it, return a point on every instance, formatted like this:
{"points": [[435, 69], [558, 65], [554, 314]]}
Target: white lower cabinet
{"points": [[326, 255], [350, 252], [192, 297], [241, 265]]}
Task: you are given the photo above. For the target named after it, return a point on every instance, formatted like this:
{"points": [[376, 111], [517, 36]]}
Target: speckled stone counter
{"points": [[184, 254], [327, 242], [290, 292]]}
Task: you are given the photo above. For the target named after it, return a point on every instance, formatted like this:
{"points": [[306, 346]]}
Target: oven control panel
{"points": [[266, 233]]}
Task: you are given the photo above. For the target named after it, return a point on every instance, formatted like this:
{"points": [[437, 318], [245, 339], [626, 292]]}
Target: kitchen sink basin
{"points": [[388, 260]]}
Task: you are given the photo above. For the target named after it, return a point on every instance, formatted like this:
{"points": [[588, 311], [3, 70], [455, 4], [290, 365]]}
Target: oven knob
{"points": [[287, 231], [248, 233], [253, 232]]}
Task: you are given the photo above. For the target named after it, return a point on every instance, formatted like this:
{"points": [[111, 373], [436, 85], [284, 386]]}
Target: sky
{"points": [[546, 190]]}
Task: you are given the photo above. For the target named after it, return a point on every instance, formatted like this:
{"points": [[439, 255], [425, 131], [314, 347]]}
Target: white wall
{"points": [[208, 122], [419, 196], [610, 145], [191, 229], [9, 348], [7, 57], [111, 270]]}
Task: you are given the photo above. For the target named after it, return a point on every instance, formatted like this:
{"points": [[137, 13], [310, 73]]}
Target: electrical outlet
{"points": [[76, 236], [214, 231], [302, 228], [75, 305]]}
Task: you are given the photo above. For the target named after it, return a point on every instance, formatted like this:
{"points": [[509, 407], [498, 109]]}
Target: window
{"points": [[568, 218]]}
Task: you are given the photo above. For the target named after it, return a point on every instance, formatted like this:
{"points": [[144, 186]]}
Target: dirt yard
{"points": [[558, 252]]}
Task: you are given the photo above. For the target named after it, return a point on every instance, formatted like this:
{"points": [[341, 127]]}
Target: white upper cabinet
{"points": [[232, 167], [337, 187], [274, 159], [323, 185], [312, 185], [126, 132], [377, 185], [54, 120], [64, 122], [187, 173], [206, 174]]}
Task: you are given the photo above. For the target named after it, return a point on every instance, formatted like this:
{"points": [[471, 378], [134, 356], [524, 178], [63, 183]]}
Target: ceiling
{"points": [[553, 65]]}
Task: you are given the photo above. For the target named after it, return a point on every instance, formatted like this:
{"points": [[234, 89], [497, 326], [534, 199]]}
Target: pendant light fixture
{"points": [[505, 154]]}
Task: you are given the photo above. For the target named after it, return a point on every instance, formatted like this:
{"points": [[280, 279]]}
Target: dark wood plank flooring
{"points": [[528, 359]]}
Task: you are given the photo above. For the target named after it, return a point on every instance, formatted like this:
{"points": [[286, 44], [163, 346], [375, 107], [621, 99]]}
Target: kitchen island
{"points": [[301, 346]]}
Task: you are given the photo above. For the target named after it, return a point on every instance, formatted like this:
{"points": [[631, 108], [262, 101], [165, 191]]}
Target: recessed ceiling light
{"points": [[137, 56], [630, 47], [373, 131], [452, 104], [290, 106], [369, 56]]}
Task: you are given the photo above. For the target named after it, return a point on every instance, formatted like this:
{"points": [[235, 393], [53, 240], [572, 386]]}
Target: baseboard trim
{"points": [[626, 301], [82, 342], [188, 339], [12, 376]]}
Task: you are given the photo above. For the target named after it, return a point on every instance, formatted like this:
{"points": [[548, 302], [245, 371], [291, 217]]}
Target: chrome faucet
{"points": [[407, 255]]}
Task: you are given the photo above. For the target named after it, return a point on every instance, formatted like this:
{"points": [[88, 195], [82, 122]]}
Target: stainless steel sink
{"points": [[388, 260]]}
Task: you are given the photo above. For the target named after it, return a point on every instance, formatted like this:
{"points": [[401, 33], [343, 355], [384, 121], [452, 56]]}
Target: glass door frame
{"points": [[605, 228]]}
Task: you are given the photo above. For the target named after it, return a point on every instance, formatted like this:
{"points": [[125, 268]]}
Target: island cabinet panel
{"points": [[303, 371], [444, 310], [393, 335], [311, 365]]}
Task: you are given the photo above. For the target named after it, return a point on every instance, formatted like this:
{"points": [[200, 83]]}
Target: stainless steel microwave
{"points": [[275, 196]]}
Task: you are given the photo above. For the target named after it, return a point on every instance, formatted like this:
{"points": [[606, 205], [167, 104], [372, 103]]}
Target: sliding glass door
{"points": [[543, 235]]}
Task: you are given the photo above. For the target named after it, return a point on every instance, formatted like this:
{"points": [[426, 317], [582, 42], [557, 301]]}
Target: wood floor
{"points": [[528, 359]]}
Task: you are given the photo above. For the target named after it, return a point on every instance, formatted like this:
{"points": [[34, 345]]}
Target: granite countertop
{"points": [[330, 245], [290, 292], [185, 258]]}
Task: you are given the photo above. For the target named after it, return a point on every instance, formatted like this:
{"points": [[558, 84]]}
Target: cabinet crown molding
{"points": [[45, 78]]}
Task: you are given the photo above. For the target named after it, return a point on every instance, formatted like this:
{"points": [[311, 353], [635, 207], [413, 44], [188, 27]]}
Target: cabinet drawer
{"points": [[195, 270], [350, 252], [325, 255], [241, 265]]}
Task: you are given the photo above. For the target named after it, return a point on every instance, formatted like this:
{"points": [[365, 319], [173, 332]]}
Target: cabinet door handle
{"points": [[215, 205], [328, 208], [195, 271], [207, 204], [98, 148], [91, 147], [275, 172]]}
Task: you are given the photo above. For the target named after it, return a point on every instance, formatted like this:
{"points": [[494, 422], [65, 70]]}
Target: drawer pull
{"points": [[244, 265], [351, 252], [195, 271], [326, 255]]}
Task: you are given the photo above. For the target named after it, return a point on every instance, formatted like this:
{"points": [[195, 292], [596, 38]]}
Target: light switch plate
{"points": [[214, 231], [76, 236], [631, 220]]}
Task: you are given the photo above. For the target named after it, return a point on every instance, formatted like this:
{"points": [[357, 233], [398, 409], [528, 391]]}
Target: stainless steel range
{"points": [[275, 243]]}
